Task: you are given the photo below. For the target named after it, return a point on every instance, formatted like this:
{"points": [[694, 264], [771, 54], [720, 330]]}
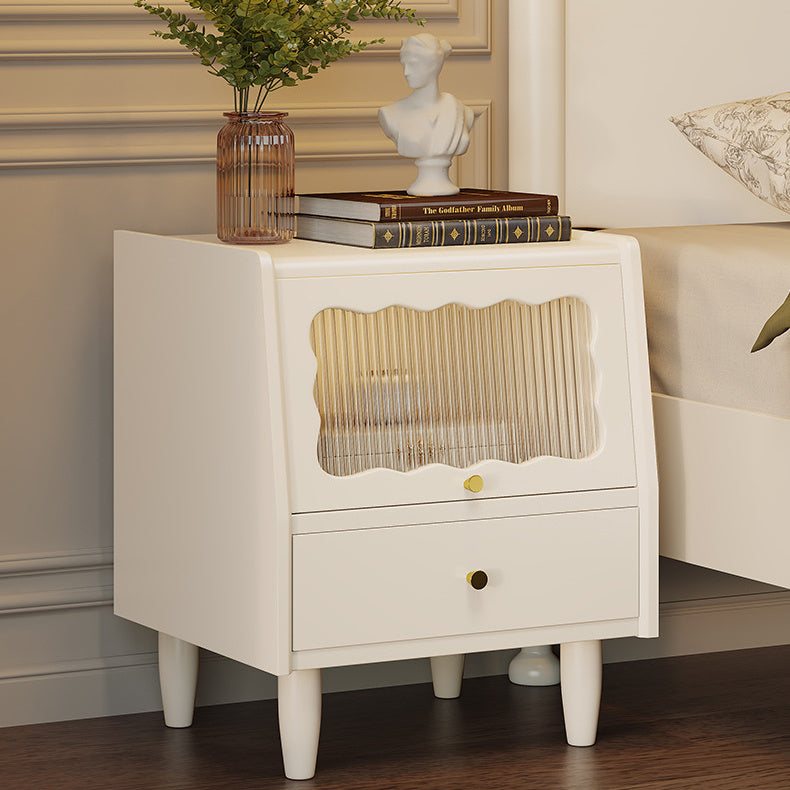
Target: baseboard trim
{"points": [[129, 684], [711, 625], [87, 665]]}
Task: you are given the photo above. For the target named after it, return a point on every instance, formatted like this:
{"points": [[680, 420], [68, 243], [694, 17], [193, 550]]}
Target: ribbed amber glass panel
{"points": [[255, 179], [402, 388]]}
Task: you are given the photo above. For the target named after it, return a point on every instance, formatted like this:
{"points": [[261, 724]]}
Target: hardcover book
{"points": [[467, 204], [433, 233]]}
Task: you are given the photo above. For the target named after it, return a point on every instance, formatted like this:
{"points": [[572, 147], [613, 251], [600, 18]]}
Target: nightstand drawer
{"points": [[398, 583]]}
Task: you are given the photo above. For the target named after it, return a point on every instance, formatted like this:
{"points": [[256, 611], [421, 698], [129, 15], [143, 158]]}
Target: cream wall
{"points": [[106, 127]]}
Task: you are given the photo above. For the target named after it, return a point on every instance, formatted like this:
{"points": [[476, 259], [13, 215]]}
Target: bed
{"points": [[598, 81]]}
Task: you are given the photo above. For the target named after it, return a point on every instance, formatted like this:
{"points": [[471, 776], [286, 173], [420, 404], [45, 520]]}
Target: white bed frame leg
{"points": [[580, 670], [534, 666], [447, 673], [178, 672], [299, 709]]}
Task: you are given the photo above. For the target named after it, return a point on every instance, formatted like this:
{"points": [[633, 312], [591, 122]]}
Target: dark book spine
{"points": [[457, 232], [537, 206]]}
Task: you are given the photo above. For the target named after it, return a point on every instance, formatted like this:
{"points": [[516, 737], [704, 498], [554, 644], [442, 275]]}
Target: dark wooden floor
{"points": [[712, 722]]}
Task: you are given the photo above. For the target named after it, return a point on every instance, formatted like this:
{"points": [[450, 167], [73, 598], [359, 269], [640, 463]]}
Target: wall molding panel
{"points": [[187, 135], [98, 664], [103, 30], [47, 601], [47, 582], [99, 9], [62, 10], [65, 562]]}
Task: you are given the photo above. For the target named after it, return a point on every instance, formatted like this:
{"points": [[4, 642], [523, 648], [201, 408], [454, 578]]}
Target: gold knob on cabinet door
{"points": [[478, 579], [474, 484]]}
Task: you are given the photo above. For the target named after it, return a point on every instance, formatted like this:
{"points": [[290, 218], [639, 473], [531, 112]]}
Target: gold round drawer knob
{"points": [[474, 484], [478, 579]]}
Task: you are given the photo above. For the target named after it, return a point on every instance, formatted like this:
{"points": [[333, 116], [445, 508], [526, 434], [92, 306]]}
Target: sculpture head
{"points": [[422, 57]]}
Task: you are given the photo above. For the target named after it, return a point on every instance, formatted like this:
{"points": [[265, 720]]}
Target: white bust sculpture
{"points": [[428, 126]]}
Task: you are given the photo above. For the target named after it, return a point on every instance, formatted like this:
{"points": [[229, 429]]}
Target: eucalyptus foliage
{"points": [[271, 44]]}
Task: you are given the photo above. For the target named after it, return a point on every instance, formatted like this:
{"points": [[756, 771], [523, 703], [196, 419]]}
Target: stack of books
{"points": [[395, 219]]}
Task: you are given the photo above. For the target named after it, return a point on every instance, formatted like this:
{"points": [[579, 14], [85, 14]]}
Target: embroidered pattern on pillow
{"points": [[748, 139]]}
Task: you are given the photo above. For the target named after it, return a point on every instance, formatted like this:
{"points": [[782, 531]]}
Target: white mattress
{"points": [[708, 291]]}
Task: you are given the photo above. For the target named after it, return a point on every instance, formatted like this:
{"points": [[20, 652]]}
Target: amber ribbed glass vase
{"points": [[255, 179]]}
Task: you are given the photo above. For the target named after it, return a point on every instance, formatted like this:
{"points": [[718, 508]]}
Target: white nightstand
{"points": [[301, 433]]}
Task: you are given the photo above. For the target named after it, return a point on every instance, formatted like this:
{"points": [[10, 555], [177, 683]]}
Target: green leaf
{"points": [[776, 325], [272, 43]]}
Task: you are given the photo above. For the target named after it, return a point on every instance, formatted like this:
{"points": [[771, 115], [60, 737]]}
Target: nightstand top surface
{"points": [[302, 258]]}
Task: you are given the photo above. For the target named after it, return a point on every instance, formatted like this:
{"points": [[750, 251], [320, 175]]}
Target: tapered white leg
{"points": [[299, 708], [178, 671], [534, 666], [580, 671], [447, 673]]}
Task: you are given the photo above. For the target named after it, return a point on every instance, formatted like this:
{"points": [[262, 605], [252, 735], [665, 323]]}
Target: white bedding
{"points": [[708, 291]]}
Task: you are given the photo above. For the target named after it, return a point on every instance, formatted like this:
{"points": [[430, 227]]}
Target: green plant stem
{"points": [[256, 107], [243, 95]]}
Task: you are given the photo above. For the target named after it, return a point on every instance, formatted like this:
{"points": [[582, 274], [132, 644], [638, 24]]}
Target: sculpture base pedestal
{"points": [[433, 177]]}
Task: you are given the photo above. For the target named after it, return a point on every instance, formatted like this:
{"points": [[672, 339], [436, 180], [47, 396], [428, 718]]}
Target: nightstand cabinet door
{"points": [[519, 376]]}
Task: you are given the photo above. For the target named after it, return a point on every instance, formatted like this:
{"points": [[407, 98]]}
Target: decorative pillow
{"points": [[750, 140]]}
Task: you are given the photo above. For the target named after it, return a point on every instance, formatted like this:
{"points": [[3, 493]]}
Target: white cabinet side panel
{"points": [[644, 437], [200, 504]]}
